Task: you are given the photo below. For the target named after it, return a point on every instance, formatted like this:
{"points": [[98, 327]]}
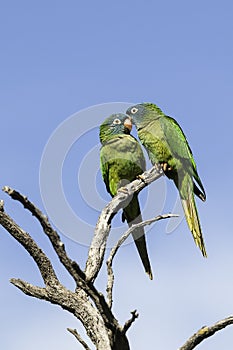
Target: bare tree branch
{"points": [[29, 289], [79, 338], [206, 332], [75, 303], [98, 244], [119, 243], [71, 266], [42, 261], [129, 323], [98, 320], [59, 247]]}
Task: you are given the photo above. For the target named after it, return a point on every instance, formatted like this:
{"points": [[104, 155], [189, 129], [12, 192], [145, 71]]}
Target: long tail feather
{"points": [[133, 216], [140, 242], [191, 214]]}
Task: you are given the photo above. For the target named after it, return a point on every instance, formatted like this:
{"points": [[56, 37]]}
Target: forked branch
{"points": [[102, 229], [119, 243]]}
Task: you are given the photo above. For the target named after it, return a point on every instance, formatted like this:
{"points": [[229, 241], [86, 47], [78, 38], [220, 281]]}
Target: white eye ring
{"points": [[134, 110], [116, 121]]}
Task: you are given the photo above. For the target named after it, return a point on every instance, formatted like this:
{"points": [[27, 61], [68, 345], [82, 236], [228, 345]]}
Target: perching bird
{"points": [[167, 145], [121, 161]]}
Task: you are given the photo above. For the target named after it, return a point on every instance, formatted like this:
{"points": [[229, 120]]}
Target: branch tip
{"points": [[206, 332], [2, 205], [79, 338], [132, 319]]}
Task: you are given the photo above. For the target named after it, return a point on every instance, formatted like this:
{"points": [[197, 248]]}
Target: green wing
{"points": [[176, 139], [181, 150], [104, 165]]}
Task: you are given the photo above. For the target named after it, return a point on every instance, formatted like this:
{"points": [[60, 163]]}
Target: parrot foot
{"points": [[123, 190], [141, 177], [165, 167]]}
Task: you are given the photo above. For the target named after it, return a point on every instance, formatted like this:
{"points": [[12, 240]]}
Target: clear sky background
{"points": [[59, 57]]}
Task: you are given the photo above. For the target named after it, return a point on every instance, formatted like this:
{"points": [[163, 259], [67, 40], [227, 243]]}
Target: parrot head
{"points": [[143, 113], [115, 124]]}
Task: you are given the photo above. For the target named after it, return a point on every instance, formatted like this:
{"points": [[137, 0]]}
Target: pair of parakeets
{"points": [[122, 160]]}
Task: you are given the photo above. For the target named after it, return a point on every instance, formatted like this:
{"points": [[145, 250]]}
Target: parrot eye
{"points": [[134, 110], [116, 121]]}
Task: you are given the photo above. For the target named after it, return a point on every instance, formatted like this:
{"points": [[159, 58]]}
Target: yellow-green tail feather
{"points": [[193, 222]]}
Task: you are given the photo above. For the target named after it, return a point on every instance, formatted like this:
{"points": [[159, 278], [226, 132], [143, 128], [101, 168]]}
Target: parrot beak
{"points": [[128, 123]]}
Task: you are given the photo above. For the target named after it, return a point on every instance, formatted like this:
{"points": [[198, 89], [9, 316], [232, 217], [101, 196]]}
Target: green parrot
{"points": [[167, 145], [121, 161]]}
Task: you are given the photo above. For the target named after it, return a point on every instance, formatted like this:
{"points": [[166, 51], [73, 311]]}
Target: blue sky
{"points": [[58, 58]]}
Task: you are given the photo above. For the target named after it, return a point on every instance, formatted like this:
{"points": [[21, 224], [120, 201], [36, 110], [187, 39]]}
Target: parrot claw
{"points": [[141, 177], [123, 190], [165, 167]]}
